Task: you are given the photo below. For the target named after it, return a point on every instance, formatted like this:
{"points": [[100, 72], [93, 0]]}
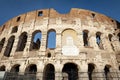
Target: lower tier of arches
{"points": [[57, 71]]}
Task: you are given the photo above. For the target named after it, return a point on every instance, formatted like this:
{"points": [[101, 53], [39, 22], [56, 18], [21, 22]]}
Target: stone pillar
{"points": [[14, 46], [98, 74], [27, 46], [43, 43], [58, 71], [92, 41], [58, 43], [105, 43], [80, 38], [83, 71], [113, 75], [8, 66], [22, 68], [116, 43], [40, 69]]}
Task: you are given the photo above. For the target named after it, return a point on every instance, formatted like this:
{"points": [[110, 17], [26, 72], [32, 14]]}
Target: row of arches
{"points": [[35, 41], [51, 40], [69, 71]]}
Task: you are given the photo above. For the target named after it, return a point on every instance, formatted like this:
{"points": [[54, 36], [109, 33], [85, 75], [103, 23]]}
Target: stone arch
{"points": [[107, 71], [51, 39], [2, 44], [49, 72], [98, 40], [2, 68], [91, 69], [31, 71], [15, 68], [36, 40], [69, 32], [110, 37], [69, 42], [9, 46], [32, 68], [85, 37], [70, 71], [22, 41]]}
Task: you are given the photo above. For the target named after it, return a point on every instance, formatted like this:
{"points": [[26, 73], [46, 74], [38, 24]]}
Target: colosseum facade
{"points": [[47, 45]]}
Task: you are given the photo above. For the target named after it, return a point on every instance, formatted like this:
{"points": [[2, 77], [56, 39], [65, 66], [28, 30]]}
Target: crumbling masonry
{"points": [[80, 45]]}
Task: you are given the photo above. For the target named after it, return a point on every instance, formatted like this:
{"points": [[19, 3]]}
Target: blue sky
{"points": [[12, 8]]}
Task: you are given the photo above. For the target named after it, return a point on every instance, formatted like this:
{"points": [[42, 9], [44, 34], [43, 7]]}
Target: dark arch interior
{"points": [[72, 71], [49, 72], [22, 42], [2, 68], [91, 68], [85, 37], [31, 69], [110, 37], [107, 70], [9, 46], [15, 68]]}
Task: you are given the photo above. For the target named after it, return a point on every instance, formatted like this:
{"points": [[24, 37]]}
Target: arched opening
{"points": [[15, 68], [110, 37], [2, 68], [107, 71], [14, 71], [48, 54], [31, 71], [18, 18], [9, 46], [2, 44], [49, 72], [51, 39], [85, 37], [14, 29], [22, 42], [91, 68], [119, 36], [36, 40], [69, 43], [71, 70], [98, 40]]}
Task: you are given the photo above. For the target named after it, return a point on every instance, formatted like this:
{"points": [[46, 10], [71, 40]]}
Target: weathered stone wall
{"points": [[65, 25]]}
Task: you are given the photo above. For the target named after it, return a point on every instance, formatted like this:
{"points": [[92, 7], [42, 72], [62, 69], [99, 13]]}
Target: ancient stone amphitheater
{"points": [[47, 45]]}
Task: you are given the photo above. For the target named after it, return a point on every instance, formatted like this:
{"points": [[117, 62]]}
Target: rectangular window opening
{"points": [[40, 13], [14, 29], [18, 18]]}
